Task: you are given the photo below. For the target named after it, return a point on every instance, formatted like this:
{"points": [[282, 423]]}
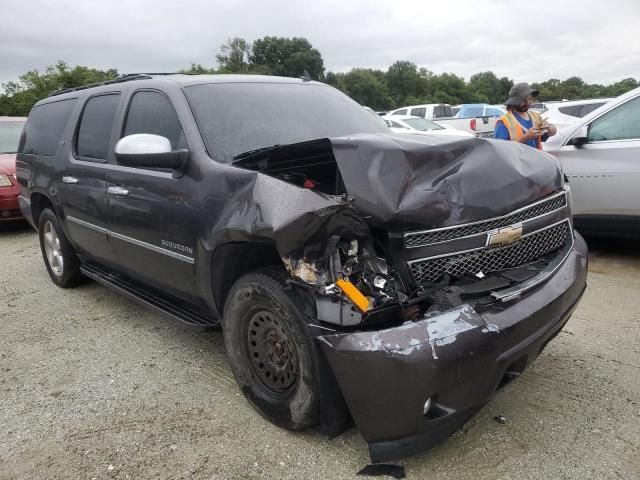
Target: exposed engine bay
{"points": [[371, 263]]}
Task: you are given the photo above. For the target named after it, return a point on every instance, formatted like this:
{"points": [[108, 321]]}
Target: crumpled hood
{"points": [[408, 181]]}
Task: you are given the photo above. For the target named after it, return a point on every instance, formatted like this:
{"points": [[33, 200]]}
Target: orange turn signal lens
{"points": [[353, 294]]}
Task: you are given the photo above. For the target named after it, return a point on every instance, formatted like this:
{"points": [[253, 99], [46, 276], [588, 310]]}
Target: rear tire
{"points": [[58, 254], [271, 355]]}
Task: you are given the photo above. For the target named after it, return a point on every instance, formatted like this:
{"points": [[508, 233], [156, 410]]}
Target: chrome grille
{"points": [[493, 259], [421, 239]]}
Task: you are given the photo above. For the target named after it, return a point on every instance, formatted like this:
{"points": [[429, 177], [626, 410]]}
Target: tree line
{"points": [[403, 83]]}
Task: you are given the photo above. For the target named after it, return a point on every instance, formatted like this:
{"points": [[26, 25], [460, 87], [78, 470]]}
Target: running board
{"points": [[177, 310]]}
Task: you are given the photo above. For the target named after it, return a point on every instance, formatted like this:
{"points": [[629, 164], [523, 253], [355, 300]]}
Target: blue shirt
{"points": [[502, 132]]}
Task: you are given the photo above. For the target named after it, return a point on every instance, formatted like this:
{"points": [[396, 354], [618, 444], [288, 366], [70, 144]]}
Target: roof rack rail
{"points": [[125, 77]]}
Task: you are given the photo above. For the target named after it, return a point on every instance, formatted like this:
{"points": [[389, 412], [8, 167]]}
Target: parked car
{"points": [[443, 114], [470, 110], [539, 107], [563, 114], [394, 279], [10, 129], [408, 124], [377, 116], [600, 155], [429, 111]]}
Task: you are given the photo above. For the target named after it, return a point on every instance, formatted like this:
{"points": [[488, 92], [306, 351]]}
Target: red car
{"points": [[10, 130]]}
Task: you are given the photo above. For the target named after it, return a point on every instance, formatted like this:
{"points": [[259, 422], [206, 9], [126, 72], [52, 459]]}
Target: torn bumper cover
{"points": [[412, 386]]}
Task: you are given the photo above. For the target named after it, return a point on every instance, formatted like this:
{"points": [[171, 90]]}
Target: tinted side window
{"points": [[400, 112], [96, 125], [419, 112], [587, 109], [152, 112], [442, 111], [621, 123], [44, 128], [573, 110]]}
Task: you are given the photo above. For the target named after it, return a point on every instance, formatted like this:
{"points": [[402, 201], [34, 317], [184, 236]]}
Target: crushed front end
{"points": [[477, 316], [440, 273]]}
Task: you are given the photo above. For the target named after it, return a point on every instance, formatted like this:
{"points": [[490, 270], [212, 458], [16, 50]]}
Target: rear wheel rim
{"points": [[272, 353], [52, 249]]}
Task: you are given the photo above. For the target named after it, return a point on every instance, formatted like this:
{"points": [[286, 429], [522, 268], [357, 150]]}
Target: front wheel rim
{"points": [[272, 353], [52, 249]]}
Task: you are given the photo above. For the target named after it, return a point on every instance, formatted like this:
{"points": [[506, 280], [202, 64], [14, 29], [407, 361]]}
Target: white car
{"points": [[600, 155], [564, 114], [410, 124]]}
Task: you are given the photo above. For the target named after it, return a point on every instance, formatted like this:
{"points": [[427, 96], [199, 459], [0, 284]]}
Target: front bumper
{"points": [[9, 208], [457, 359]]}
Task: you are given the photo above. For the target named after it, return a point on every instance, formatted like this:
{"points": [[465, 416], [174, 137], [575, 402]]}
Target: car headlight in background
{"points": [[5, 181]]}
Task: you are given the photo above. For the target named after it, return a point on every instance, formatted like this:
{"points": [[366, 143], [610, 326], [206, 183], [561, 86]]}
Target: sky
{"points": [[526, 41]]}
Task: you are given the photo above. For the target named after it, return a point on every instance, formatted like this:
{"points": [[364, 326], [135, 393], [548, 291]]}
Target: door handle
{"points": [[119, 191], [69, 179]]}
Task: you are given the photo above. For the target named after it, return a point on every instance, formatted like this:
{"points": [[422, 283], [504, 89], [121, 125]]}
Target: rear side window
{"points": [[590, 107], [96, 125], [152, 112], [400, 112], [572, 110], [442, 111], [45, 126], [475, 111], [419, 112]]}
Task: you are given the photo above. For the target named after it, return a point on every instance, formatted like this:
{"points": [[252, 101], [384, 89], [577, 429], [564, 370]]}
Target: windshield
{"points": [[10, 136], [236, 118], [422, 124]]}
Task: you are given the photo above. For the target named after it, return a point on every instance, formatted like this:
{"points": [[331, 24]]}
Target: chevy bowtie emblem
{"points": [[505, 236]]}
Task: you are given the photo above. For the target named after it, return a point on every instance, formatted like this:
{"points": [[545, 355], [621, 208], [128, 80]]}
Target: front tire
{"points": [[58, 254], [271, 355]]}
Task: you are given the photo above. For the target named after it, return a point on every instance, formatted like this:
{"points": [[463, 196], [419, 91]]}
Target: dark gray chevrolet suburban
{"points": [[394, 281]]}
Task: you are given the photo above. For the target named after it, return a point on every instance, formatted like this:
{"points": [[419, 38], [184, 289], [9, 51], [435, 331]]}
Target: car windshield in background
{"points": [[236, 118], [422, 124], [10, 136]]}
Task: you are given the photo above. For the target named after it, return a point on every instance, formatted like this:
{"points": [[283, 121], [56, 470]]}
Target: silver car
{"points": [[600, 155]]}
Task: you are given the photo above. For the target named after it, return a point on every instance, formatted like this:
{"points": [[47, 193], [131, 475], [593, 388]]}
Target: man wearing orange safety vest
{"points": [[521, 125]]}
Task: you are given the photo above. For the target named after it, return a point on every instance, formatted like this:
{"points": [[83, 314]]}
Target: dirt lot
{"points": [[93, 386]]}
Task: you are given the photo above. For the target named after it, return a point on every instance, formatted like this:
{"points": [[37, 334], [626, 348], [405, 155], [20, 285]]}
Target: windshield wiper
{"points": [[254, 152]]}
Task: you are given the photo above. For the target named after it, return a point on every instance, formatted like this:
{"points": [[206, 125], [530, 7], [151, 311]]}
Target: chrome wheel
{"points": [[52, 249]]}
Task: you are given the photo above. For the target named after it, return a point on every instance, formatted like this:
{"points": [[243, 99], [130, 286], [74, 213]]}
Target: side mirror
{"points": [[388, 122], [149, 151], [580, 137]]}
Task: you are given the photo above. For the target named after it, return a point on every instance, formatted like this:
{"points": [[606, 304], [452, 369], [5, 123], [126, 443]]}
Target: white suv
{"points": [[600, 154], [564, 114]]}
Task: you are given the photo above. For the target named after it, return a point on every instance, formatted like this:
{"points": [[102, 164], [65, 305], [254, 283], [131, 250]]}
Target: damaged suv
{"points": [[395, 281]]}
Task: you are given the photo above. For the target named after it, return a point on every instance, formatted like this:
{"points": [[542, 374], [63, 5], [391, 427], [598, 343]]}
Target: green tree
{"points": [[367, 88], [449, 88], [618, 88], [403, 81], [19, 96], [198, 69], [234, 56], [486, 87], [287, 57]]}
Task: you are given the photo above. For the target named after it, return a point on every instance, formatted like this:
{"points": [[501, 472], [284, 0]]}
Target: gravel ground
{"points": [[94, 386]]}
